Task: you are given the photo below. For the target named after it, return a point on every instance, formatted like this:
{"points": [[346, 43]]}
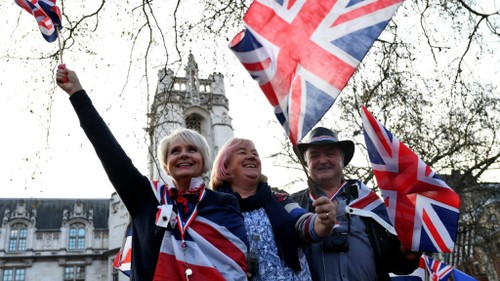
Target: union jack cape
{"points": [[303, 52], [209, 249], [203, 242], [423, 208], [47, 15]]}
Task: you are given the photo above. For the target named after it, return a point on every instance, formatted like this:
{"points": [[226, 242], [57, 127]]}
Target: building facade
{"points": [[78, 239], [58, 239]]}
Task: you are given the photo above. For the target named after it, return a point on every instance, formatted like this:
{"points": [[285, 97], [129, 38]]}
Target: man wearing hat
{"points": [[359, 249]]}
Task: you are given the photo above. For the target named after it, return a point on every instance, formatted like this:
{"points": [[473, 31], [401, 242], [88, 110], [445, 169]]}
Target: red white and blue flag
{"points": [[123, 259], [206, 242], [303, 52], [47, 15], [433, 270], [369, 204], [423, 208], [438, 271]]}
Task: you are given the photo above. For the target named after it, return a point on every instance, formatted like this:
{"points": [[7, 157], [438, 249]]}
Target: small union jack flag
{"points": [[423, 208], [47, 15], [438, 271], [369, 204], [303, 52]]}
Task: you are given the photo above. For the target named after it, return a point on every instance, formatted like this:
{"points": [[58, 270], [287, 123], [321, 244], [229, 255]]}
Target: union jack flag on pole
{"points": [[47, 15], [303, 52], [423, 208]]}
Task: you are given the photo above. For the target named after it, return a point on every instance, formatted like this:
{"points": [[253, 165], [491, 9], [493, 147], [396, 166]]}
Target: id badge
{"points": [[164, 215]]}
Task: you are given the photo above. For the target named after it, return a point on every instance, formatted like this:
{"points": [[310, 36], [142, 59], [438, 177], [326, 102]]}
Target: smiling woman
{"points": [[276, 224], [180, 230], [184, 154]]}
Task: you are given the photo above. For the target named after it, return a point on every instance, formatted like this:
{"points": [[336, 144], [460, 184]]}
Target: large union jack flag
{"points": [[423, 208], [303, 52], [47, 15]]}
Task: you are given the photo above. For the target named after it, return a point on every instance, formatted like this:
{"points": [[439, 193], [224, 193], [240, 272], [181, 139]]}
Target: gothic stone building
{"points": [[189, 102], [77, 239]]}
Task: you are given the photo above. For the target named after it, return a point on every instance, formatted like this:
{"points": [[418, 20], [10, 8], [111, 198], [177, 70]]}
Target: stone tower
{"points": [[188, 102]]}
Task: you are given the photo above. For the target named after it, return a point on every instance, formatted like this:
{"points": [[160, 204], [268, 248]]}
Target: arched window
{"points": [[193, 122], [76, 237], [17, 238]]}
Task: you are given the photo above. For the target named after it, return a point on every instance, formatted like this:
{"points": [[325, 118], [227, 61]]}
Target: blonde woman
{"points": [[180, 229]]}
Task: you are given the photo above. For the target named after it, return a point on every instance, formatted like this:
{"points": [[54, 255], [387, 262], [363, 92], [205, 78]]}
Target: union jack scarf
{"points": [[197, 245]]}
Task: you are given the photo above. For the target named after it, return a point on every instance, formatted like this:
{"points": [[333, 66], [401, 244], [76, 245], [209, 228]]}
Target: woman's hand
{"points": [[327, 216], [67, 80]]}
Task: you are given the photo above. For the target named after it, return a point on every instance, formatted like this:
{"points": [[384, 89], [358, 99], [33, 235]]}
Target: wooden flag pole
{"points": [[60, 45]]}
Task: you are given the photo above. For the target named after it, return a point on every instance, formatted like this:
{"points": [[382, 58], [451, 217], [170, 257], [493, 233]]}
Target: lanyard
{"points": [[183, 226]]}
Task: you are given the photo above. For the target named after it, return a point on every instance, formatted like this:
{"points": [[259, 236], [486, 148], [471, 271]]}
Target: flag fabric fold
{"points": [[369, 204], [423, 208], [302, 53], [47, 15]]}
